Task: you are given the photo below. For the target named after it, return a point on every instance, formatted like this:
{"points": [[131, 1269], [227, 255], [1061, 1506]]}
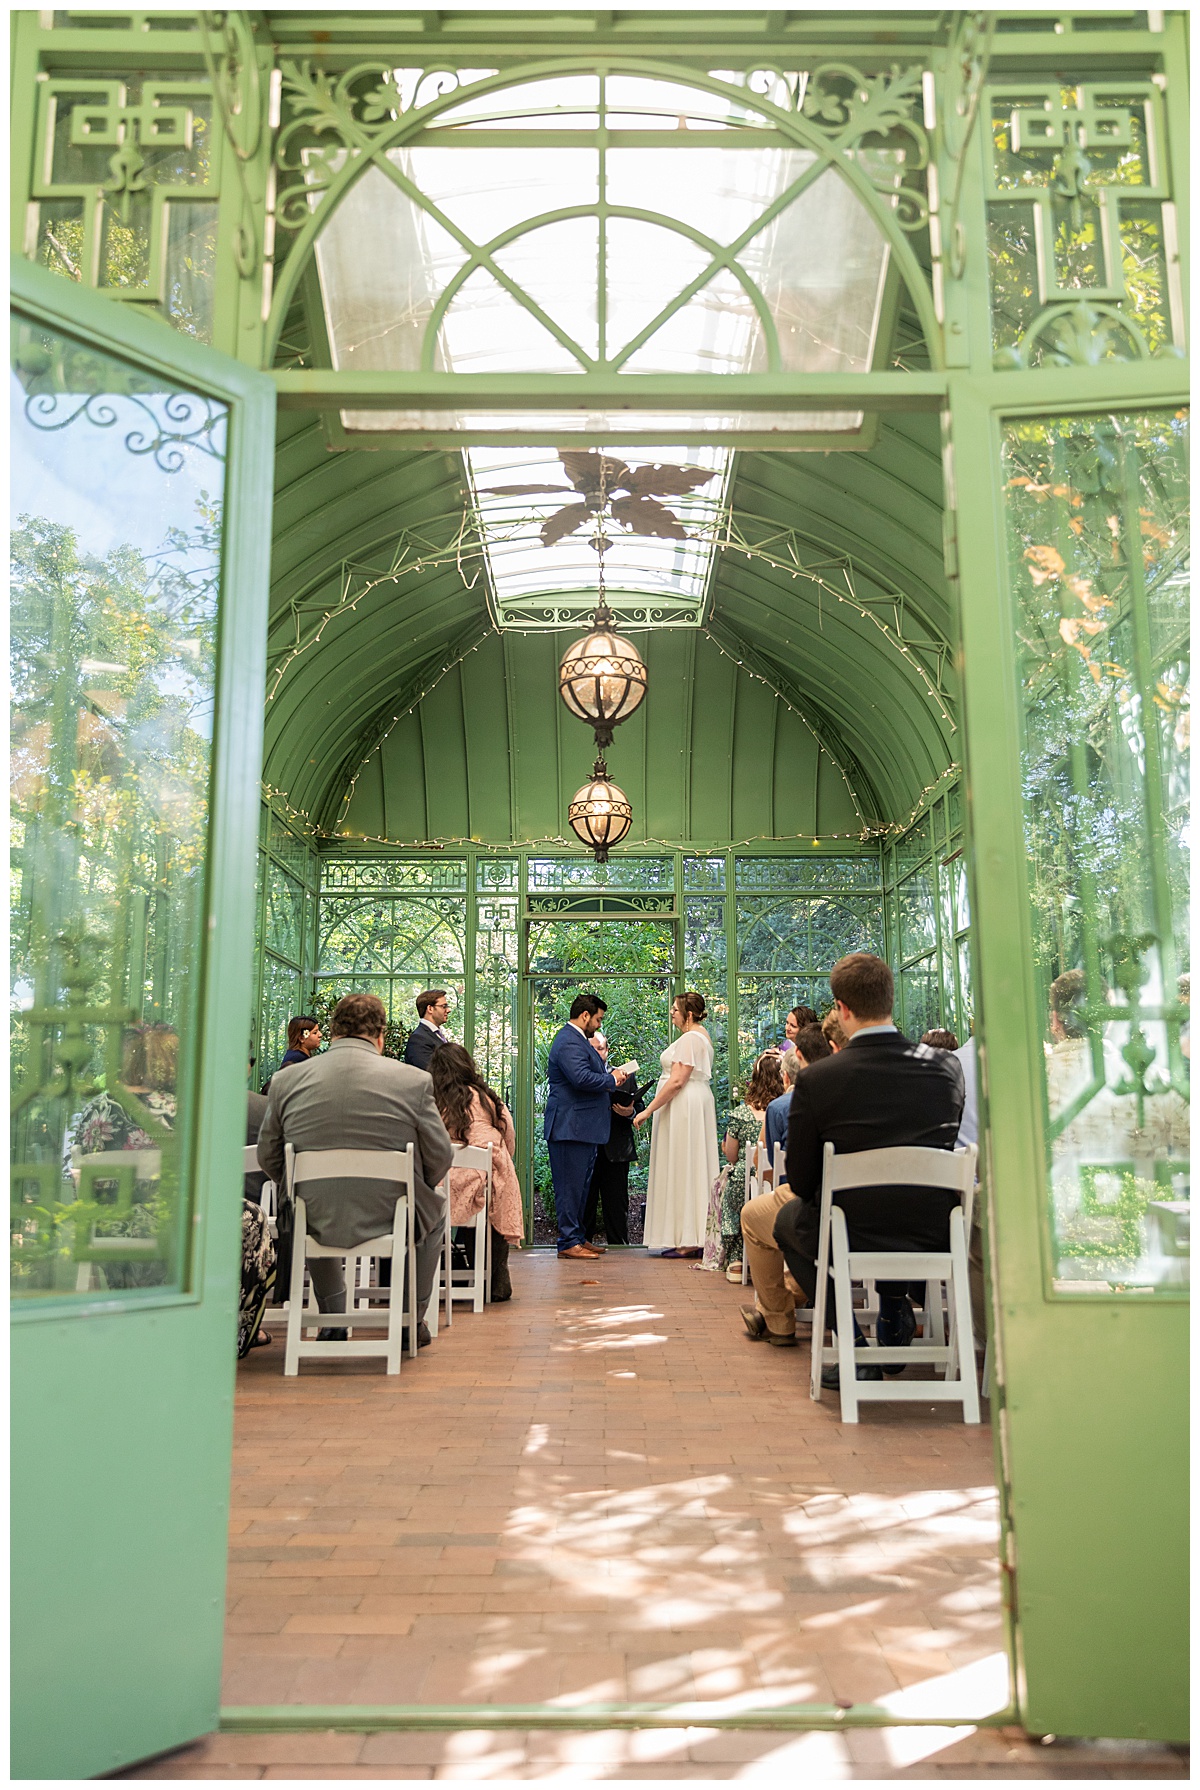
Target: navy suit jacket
{"points": [[579, 1104], [777, 1122]]}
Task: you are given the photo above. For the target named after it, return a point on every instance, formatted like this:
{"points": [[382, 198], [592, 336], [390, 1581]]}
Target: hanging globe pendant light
{"points": [[600, 813], [602, 678]]}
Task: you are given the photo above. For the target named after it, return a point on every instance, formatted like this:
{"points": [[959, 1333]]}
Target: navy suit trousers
{"points": [[571, 1172]]}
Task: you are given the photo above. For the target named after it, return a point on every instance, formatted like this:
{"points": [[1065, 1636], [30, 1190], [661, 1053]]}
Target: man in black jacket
{"points": [[879, 1092], [433, 1010]]}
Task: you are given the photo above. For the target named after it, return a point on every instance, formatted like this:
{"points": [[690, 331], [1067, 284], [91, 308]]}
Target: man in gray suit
{"points": [[352, 1097]]}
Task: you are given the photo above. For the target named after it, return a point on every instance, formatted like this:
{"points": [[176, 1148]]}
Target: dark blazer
{"points": [[622, 1139], [422, 1042], [578, 1106], [881, 1090]]}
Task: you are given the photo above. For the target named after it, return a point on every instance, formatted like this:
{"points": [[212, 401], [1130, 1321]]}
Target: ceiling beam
{"points": [[317, 388]]}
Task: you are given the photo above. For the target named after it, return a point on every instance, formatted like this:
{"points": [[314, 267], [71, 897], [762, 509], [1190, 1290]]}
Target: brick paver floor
{"points": [[603, 1491]]}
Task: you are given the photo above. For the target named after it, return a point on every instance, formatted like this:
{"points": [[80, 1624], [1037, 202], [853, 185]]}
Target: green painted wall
{"points": [[492, 755]]}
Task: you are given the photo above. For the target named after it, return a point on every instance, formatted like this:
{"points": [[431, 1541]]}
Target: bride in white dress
{"points": [[683, 1145]]}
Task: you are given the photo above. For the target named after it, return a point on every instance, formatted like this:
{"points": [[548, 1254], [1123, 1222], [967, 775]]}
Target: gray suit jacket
{"points": [[351, 1098]]}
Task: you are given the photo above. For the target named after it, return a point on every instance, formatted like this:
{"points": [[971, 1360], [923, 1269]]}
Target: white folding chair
{"points": [[441, 1286], [912, 1166], [396, 1166], [760, 1178], [474, 1283], [266, 1198], [127, 1168]]}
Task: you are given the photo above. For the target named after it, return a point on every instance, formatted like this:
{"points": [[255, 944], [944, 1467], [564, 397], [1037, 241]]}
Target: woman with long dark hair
{"points": [[473, 1113]]}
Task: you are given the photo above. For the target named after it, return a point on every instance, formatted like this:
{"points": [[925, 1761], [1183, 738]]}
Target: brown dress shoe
{"points": [[579, 1252]]}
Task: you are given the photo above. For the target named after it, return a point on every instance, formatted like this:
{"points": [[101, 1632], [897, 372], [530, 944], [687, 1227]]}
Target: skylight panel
{"points": [[650, 579]]}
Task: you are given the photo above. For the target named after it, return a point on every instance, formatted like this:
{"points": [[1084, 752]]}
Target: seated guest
{"points": [[304, 1039], [723, 1240], [258, 1251], [772, 1317], [940, 1039], [473, 1113], [831, 1026], [433, 1010], [352, 1097], [810, 1046], [797, 1019], [608, 1192], [879, 1091]]}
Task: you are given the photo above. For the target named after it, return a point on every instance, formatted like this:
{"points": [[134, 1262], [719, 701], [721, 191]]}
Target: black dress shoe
{"points": [[332, 1335], [831, 1378], [895, 1328], [756, 1329]]}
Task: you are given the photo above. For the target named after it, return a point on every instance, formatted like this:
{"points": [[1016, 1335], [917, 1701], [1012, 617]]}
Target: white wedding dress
{"points": [[683, 1150]]}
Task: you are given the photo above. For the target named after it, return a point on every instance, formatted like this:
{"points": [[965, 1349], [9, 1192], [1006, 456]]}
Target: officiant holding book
{"points": [[608, 1193]]}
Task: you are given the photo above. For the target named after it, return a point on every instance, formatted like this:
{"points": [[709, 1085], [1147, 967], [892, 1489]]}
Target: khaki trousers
{"points": [[765, 1258]]}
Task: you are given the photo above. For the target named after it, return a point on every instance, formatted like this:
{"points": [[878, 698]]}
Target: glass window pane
{"points": [[494, 1045], [1097, 516], [118, 483], [282, 998], [582, 873], [601, 948], [704, 952], [839, 927], [920, 998], [808, 873], [285, 914], [914, 847], [704, 873], [918, 927]]}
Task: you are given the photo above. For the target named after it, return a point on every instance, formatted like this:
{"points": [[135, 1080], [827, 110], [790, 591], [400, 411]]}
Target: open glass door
{"points": [[1074, 580], [141, 467]]}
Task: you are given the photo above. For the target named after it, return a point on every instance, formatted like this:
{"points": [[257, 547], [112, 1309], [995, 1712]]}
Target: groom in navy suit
{"points": [[578, 1117]]}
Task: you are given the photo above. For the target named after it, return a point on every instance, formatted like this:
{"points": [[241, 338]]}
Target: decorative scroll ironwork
{"points": [[237, 85], [599, 905], [967, 66], [65, 381]]}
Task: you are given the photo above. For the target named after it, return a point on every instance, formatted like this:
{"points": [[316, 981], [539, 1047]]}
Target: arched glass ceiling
{"points": [[603, 224], [651, 580]]}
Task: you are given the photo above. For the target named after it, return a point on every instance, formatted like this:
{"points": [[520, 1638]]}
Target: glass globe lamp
{"points": [[602, 678], [600, 813]]}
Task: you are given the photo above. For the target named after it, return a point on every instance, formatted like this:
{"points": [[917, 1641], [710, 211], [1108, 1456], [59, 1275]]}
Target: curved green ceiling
{"points": [[859, 657]]}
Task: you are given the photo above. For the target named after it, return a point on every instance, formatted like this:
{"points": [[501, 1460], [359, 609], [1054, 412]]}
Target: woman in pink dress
{"points": [[473, 1113]]}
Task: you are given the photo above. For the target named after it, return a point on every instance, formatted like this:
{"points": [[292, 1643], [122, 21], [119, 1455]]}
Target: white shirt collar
{"points": [[430, 1024], [863, 1031]]}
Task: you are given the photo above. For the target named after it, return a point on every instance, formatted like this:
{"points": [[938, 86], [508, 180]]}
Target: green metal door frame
{"points": [[124, 1404]]}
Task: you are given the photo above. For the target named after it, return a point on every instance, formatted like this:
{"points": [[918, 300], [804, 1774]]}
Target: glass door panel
{"points": [[118, 502], [1097, 513]]}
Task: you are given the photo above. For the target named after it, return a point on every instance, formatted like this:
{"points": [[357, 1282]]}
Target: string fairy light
{"points": [[416, 553]]}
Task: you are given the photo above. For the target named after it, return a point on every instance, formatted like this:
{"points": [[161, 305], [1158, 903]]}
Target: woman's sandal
{"points": [[261, 1340]]}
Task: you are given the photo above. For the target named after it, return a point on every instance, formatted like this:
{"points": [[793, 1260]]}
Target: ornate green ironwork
{"points": [[867, 128]]}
